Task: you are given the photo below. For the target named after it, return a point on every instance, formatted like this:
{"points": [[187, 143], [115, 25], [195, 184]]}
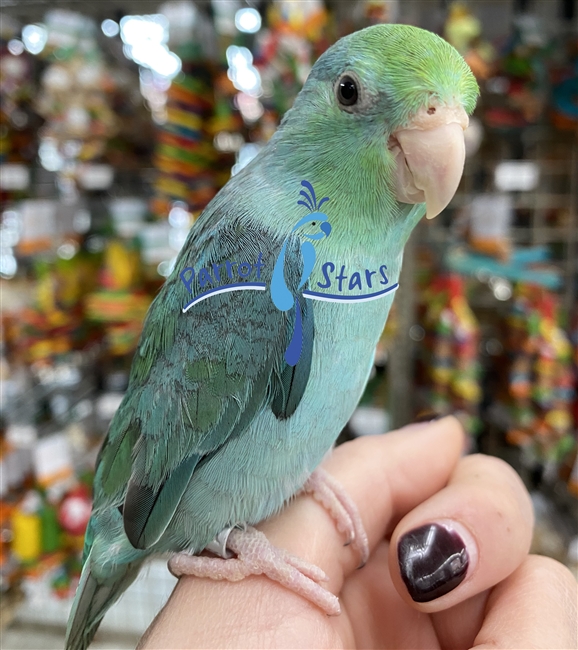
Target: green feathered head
{"points": [[398, 69], [391, 100]]}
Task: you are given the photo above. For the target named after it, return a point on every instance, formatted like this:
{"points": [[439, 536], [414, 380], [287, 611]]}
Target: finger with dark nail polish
{"points": [[433, 560]]}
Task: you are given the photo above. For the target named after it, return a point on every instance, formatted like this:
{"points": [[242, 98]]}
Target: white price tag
{"points": [[107, 405], [21, 436], [38, 219], [156, 243], [53, 460], [96, 177], [369, 421], [516, 176], [14, 177], [16, 466], [491, 216]]}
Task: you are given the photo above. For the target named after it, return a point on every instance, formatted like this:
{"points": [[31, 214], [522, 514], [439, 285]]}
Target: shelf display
{"points": [[563, 106], [288, 48], [74, 99], [464, 31], [453, 363], [17, 120], [541, 376], [185, 157], [520, 84]]}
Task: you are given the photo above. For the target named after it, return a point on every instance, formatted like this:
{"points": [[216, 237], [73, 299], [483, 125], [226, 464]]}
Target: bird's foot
{"points": [[333, 497], [255, 555]]}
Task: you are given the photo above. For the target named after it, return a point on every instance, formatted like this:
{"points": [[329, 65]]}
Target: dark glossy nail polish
{"points": [[433, 560]]}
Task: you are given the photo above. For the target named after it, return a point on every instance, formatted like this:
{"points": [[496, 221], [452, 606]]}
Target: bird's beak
{"points": [[429, 154]]}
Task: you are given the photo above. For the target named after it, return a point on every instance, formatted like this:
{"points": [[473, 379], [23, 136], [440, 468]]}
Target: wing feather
{"points": [[199, 378]]}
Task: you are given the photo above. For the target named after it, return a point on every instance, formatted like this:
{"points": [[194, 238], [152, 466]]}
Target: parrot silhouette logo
{"points": [[282, 296]]}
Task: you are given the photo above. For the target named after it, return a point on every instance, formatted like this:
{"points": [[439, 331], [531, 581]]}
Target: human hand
{"points": [[400, 482]]}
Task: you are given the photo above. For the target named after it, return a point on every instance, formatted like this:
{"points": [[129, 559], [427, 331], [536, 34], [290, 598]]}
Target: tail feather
{"points": [[92, 600]]}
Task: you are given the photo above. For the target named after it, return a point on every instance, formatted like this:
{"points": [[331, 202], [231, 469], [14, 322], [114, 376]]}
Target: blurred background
{"points": [[121, 119]]}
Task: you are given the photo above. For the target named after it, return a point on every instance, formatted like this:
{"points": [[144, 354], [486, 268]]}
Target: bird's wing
{"points": [[199, 378]]}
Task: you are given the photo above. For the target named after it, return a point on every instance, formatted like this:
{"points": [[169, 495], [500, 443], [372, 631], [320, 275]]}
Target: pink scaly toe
{"points": [[333, 497], [255, 555]]}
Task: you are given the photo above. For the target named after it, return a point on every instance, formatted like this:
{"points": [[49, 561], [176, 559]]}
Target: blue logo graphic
{"points": [[245, 276], [230, 270], [282, 297]]}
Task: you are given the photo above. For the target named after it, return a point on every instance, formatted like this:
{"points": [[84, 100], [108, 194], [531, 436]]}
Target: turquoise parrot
{"points": [[242, 381]]}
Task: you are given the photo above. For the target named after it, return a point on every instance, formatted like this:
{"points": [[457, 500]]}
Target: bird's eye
{"points": [[314, 223], [347, 93]]}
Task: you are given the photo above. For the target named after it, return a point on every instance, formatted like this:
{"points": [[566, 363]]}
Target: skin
{"points": [[399, 481]]}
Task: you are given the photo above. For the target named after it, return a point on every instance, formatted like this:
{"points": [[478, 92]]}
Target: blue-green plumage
{"points": [[216, 429]]}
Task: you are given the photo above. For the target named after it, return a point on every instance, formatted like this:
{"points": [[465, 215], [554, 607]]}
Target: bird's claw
{"points": [[332, 496], [255, 555], [219, 545]]}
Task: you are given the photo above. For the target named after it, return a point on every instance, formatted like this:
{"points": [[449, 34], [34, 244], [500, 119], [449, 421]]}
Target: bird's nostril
{"points": [[431, 110]]}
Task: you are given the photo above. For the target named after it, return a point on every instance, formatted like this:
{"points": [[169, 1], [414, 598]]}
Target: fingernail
{"points": [[427, 416], [433, 560]]}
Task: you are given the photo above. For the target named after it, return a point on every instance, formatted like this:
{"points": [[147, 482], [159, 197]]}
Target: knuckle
{"points": [[496, 474], [482, 465], [547, 569], [553, 578]]}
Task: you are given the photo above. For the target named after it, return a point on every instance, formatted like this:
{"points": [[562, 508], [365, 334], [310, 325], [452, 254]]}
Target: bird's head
{"points": [[313, 227], [394, 101]]}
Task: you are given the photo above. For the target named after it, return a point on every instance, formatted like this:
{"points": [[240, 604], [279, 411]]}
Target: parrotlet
{"points": [[244, 376]]}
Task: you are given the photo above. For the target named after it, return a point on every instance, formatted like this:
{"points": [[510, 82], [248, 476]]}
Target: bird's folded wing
{"points": [[198, 378]]}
